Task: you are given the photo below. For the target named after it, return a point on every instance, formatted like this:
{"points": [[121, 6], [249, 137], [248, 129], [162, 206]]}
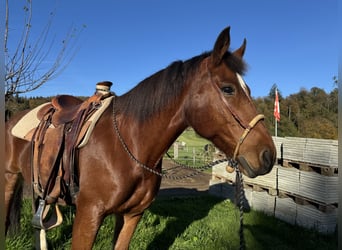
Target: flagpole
{"points": [[276, 128]]}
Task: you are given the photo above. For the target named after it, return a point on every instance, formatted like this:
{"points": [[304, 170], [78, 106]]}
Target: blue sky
{"points": [[289, 42]]}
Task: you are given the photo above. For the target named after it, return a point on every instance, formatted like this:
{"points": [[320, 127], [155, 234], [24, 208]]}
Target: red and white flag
{"points": [[276, 111]]}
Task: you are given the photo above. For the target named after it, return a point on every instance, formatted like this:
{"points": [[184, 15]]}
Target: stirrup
{"points": [[55, 219]]}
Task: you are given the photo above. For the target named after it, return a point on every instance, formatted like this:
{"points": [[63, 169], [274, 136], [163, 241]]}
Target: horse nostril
{"points": [[267, 159]]}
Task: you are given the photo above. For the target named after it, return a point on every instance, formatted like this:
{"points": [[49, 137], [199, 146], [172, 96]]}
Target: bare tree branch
{"points": [[30, 65]]}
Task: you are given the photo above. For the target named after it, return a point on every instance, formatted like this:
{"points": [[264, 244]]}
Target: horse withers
{"points": [[119, 169]]}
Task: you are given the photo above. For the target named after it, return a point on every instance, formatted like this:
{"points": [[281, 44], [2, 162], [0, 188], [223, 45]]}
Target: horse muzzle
{"points": [[266, 158], [266, 163]]}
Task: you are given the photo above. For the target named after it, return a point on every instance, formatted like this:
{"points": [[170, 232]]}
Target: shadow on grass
{"points": [[183, 212], [182, 207], [175, 203], [288, 238]]}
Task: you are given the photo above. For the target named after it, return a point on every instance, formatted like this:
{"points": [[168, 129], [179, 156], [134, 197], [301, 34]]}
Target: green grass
{"points": [[193, 153], [198, 222], [190, 137]]}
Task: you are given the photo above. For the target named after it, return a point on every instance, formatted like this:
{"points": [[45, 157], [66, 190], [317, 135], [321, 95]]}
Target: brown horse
{"points": [[118, 168]]}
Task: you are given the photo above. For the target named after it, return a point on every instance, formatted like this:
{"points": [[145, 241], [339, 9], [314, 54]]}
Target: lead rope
{"points": [[240, 193]]}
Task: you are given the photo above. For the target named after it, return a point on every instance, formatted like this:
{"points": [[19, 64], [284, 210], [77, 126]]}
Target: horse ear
{"points": [[221, 46], [241, 51]]}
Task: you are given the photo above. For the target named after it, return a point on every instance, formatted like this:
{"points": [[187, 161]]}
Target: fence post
{"points": [[175, 150], [194, 155]]}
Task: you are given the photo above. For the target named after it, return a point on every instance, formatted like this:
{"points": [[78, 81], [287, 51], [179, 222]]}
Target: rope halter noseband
{"points": [[251, 125]]}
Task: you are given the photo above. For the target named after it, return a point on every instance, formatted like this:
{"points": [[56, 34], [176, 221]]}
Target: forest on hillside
{"points": [[310, 113]]}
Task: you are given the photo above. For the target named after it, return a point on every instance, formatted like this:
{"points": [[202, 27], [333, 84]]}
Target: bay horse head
{"points": [[221, 109]]}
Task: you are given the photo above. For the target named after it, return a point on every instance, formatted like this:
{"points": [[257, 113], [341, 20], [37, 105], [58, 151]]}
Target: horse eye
{"points": [[229, 90]]}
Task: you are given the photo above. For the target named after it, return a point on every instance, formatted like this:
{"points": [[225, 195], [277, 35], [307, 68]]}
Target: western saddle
{"points": [[54, 144]]}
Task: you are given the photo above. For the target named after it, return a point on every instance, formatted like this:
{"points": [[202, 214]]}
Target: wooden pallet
{"points": [[261, 188], [265, 181], [310, 167], [222, 179], [302, 200]]}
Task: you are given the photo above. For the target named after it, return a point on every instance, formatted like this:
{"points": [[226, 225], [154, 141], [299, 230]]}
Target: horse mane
{"points": [[157, 91]]}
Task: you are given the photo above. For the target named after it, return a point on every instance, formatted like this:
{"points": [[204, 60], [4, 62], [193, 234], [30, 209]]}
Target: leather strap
{"points": [[251, 125]]}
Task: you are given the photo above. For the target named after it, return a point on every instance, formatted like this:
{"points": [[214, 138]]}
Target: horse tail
{"points": [[14, 208]]}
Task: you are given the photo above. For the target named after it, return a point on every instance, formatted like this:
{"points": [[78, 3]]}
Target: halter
{"points": [[249, 127], [233, 164]]}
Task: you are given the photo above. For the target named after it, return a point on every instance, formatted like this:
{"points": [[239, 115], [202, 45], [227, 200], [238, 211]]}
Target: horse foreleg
{"points": [[129, 224], [119, 221], [86, 224]]}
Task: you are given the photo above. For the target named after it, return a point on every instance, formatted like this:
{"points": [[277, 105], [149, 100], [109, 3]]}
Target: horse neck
{"points": [[153, 137]]}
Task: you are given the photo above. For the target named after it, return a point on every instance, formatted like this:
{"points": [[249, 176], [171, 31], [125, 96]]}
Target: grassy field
{"points": [[192, 152], [198, 222], [190, 137]]}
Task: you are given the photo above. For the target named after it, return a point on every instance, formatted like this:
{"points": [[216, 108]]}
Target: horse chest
{"points": [[139, 196]]}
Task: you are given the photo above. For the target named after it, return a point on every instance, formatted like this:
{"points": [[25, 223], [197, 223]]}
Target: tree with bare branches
{"points": [[29, 64]]}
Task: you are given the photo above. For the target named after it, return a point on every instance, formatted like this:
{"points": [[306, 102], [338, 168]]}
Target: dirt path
{"points": [[198, 184]]}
